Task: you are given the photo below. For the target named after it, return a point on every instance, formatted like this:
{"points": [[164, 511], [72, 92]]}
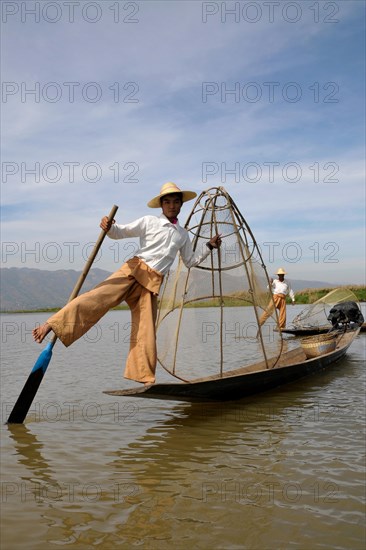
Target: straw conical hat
{"points": [[167, 189]]}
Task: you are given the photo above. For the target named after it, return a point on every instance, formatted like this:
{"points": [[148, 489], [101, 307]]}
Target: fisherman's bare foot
{"points": [[40, 333], [148, 384]]}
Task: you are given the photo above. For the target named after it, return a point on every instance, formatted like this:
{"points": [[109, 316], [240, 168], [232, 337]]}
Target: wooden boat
{"points": [[307, 331], [314, 318], [311, 331], [247, 381], [211, 332]]}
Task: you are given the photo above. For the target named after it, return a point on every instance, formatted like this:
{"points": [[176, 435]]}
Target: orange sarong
{"points": [[279, 302], [135, 283]]}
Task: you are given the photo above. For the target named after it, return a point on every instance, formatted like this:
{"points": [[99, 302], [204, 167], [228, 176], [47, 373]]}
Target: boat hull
{"points": [[242, 385], [306, 331], [312, 331]]}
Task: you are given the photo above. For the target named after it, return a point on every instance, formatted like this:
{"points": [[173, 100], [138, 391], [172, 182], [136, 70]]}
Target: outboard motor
{"points": [[345, 313]]}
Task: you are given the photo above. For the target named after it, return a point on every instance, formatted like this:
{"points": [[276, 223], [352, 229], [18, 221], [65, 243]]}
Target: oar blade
{"points": [[31, 386]]}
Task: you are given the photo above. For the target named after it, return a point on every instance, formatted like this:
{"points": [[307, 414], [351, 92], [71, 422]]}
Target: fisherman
{"points": [[137, 282], [280, 289]]}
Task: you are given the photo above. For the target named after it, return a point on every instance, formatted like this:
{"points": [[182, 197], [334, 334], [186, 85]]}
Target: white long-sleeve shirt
{"points": [[283, 287], [160, 241]]}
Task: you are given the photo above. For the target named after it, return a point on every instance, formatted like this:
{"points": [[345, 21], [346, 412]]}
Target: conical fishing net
{"points": [[315, 315], [208, 320]]}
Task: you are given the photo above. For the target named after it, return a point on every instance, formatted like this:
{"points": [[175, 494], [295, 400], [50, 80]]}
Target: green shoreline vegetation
{"points": [[305, 296]]}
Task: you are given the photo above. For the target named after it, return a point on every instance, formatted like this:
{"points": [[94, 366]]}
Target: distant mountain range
{"points": [[25, 288]]}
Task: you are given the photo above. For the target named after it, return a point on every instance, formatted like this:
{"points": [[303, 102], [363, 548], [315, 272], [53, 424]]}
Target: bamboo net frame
{"points": [[203, 327]]}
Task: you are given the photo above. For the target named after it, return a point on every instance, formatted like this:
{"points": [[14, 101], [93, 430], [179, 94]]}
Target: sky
{"points": [[103, 102]]}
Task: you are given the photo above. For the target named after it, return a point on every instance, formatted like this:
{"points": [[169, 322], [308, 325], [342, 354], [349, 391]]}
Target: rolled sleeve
{"points": [[134, 229]]}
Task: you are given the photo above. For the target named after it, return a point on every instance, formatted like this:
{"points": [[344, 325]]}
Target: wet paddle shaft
{"points": [[32, 384]]}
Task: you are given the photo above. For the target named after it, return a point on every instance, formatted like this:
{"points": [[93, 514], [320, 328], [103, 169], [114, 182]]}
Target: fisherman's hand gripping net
{"points": [[208, 319]]}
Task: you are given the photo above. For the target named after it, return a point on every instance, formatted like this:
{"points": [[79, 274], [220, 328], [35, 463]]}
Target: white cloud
{"points": [[169, 133]]}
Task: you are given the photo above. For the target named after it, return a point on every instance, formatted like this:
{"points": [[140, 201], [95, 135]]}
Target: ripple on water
{"points": [[88, 470]]}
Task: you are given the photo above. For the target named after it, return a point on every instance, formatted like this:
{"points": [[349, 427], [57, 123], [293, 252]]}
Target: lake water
{"points": [[280, 470]]}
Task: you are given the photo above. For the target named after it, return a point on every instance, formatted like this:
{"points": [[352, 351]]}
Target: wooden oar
{"points": [[31, 386]]}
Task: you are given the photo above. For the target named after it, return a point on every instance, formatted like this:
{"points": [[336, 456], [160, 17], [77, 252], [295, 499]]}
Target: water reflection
{"points": [[193, 474], [29, 451], [169, 478]]}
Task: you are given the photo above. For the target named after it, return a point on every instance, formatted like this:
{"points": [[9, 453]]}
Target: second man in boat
{"points": [[280, 289]]}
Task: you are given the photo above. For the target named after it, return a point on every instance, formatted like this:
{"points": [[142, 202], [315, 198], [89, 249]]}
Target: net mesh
{"points": [[208, 320], [315, 315]]}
